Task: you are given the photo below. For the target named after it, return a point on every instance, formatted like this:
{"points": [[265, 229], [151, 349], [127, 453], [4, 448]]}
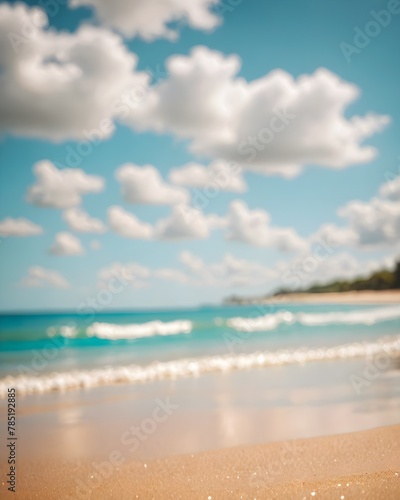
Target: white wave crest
{"points": [[138, 330], [355, 317], [134, 374], [67, 331]]}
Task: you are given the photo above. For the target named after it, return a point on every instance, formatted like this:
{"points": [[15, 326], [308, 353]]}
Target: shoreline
{"points": [[354, 297], [362, 464]]}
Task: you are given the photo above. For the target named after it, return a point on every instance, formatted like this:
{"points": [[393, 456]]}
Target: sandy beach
{"points": [[348, 466], [357, 298], [199, 250]]}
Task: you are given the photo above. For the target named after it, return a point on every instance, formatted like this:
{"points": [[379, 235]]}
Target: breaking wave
{"points": [[136, 331], [111, 331], [355, 317], [134, 374]]}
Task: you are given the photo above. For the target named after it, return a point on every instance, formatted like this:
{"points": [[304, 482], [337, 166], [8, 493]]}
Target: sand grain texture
{"points": [[350, 466]]}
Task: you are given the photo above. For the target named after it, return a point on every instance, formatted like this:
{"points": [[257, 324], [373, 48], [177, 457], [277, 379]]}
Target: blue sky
{"points": [[296, 36]]}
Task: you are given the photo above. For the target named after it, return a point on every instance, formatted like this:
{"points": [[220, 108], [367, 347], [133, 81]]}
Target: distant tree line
{"points": [[379, 280]]}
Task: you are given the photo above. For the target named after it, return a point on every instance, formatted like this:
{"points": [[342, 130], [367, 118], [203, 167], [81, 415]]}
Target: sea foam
{"points": [[138, 330], [355, 317], [113, 331], [182, 368]]}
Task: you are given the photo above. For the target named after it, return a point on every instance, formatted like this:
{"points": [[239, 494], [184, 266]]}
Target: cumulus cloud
{"points": [[275, 124], [130, 274], [372, 223], [376, 222], [144, 185], [19, 227], [56, 188], [391, 189], [74, 85], [40, 277], [66, 244], [253, 227], [128, 225], [188, 223], [79, 220], [322, 267], [151, 19], [171, 275], [218, 176], [335, 236], [229, 272], [184, 222], [61, 85], [299, 272]]}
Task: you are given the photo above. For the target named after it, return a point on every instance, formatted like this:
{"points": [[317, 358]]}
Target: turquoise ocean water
{"points": [[41, 353]]}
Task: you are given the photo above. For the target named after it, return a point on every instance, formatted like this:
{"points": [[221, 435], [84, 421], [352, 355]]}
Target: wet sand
{"points": [[348, 466]]}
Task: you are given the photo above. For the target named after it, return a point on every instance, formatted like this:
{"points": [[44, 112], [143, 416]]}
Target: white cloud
{"points": [[39, 277], [376, 222], [321, 268], [130, 274], [373, 223], [229, 272], [66, 244], [145, 185], [60, 85], [275, 124], [56, 188], [171, 275], [253, 227], [128, 225], [150, 19], [391, 189], [19, 227], [184, 222], [218, 176], [79, 220], [232, 272], [192, 263], [335, 236]]}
